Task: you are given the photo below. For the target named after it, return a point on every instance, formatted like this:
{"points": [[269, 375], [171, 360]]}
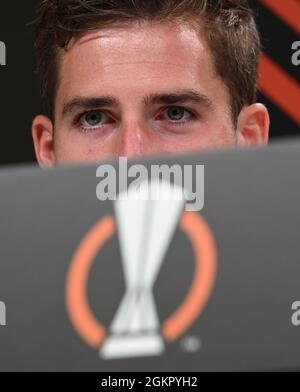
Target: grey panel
{"points": [[252, 204]]}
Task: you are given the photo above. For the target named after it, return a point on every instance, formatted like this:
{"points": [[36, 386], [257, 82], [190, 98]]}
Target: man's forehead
{"points": [[140, 59], [119, 49], [141, 29], [157, 37]]}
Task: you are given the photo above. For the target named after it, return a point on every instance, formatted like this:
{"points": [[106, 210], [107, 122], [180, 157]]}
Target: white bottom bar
{"points": [[131, 346]]}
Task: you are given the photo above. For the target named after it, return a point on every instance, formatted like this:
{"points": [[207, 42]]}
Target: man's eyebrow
{"points": [[179, 97], [89, 103], [172, 98]]}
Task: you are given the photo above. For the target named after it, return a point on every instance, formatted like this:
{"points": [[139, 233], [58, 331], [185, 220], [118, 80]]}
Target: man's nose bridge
{"points": [[131, 139]]}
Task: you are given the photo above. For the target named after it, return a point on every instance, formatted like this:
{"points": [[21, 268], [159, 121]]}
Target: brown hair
{"points": [[228, 26]]}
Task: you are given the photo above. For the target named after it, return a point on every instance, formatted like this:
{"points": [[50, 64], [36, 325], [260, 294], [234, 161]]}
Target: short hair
{"points": [[228, 27]]}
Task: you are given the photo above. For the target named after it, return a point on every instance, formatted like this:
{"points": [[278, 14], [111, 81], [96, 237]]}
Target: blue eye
{"points": [[176, 113], [92, 119]]}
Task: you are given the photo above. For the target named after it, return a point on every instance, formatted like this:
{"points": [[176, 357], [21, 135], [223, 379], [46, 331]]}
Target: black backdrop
{"points": [[19, 99]]}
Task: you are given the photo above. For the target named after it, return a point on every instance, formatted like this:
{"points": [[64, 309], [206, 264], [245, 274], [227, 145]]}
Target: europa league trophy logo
{"points": [[146, 218]]}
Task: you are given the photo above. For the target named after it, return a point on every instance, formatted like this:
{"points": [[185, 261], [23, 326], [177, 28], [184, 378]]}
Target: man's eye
{"points": [[178, 114], [175, 114], [92, 119]]}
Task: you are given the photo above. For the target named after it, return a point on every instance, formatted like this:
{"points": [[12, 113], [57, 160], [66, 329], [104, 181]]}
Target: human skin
{"points": [[164, 97]]}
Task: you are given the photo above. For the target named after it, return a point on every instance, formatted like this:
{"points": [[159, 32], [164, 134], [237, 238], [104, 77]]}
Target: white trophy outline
{"points": [[145, 228]]}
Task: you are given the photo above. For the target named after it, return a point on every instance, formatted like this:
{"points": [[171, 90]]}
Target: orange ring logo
{"points": [[81, 316]]}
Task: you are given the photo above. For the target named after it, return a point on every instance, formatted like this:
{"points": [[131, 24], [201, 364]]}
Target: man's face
{"points": [[136, 91]]}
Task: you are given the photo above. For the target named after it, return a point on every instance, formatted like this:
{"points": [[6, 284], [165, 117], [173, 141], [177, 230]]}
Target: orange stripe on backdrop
{"points": [[281, 88], [287, 10]]}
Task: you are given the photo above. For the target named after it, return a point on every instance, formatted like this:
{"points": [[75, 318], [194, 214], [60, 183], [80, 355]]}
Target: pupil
{"points": [[176, 113], [93, 118]]}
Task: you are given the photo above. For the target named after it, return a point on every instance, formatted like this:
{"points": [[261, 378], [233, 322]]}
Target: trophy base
{"points": [[118, 347]]}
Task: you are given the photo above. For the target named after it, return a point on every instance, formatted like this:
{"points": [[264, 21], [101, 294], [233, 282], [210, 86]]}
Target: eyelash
{"points": [[76, 121], [181, 123]]}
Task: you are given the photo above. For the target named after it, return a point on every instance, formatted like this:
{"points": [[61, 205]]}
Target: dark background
{"points": [[19, 98]]}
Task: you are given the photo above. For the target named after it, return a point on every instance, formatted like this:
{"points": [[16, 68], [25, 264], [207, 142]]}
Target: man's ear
{"points": [[43, 139], [253, 125]]}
